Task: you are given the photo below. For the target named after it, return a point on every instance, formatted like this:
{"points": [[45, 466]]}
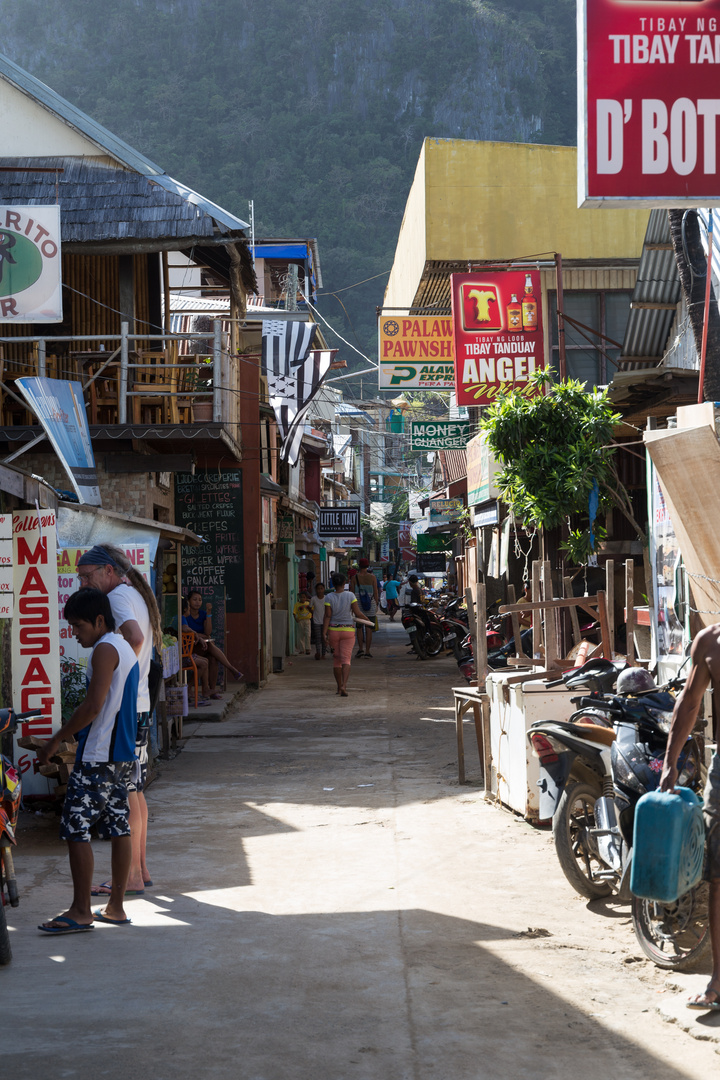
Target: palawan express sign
{"points": [[415, 352], [648, 102], [439, 434], [497, 325], [30, 268]]}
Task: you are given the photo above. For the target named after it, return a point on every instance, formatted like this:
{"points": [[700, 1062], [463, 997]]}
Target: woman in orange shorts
{"points": [[339, 629]]}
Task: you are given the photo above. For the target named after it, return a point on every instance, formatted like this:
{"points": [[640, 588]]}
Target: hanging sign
{"points": [[30, 265], [648, 103], [427, 543], [497, 325], [60, 408], [339, 521], [443, 511], [439, 434], [432, 562], [481, 470], [415, 352]]}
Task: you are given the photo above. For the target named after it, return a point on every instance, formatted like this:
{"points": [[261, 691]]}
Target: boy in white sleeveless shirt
{"points": [[105, 724]]}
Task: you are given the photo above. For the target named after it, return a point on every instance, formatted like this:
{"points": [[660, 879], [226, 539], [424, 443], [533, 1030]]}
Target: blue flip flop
{"points": [[71, 927], [100, 917]]}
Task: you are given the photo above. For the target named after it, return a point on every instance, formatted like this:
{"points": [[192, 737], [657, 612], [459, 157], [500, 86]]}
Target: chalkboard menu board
{"points": [[210, 503]]}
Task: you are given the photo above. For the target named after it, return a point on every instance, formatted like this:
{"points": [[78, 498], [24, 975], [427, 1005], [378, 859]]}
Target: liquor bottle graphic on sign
{"points": [[481, 309], [514, 314], [529, 307]]}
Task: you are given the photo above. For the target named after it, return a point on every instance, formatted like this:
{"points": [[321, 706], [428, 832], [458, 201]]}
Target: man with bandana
{"points": [[137, 618]]}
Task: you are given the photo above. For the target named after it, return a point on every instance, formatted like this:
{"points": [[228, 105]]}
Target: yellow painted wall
{"points": [[495, 200]]}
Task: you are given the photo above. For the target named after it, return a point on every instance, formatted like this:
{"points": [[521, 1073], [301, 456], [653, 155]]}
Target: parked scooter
{"points": [[10, 794], [593, 770], [424, 628]]}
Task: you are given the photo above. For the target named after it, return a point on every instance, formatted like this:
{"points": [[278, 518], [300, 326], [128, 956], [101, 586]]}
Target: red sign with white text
{"points": [[649, 102], [35, 641], [497, 327]]}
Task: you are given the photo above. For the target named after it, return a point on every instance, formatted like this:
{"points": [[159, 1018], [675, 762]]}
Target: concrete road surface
{"points": [[329, 904]]}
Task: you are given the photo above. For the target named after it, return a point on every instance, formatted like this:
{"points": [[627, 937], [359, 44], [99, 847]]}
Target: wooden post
{"points": [[610, 593], [604, 631], [480, 638], [536, 615], [550, 627], [630, 610], [515, 620], [487, 755], [575, 622]]}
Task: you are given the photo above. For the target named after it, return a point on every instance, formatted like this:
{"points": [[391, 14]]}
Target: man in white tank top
{"points": [[105, 725]]}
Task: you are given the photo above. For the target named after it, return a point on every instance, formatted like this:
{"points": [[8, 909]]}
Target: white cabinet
{"points": [[513, 709]]}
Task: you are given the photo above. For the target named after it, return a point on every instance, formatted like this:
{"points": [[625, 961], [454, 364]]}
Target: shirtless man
{"points": [[705, 668]]}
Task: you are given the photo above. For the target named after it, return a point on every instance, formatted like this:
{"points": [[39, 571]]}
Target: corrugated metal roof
{"points": [[657, 282], [453, 465]]}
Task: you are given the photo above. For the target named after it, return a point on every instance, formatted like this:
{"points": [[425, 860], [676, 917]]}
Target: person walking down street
{"points": [[365, 587], [705, 658], [317, 604], [392, 586], [137, 618], [338, 629], [106, 725], [302, 614]]}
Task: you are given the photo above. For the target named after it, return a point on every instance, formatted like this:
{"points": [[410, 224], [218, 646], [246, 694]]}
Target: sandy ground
{"points": [[329, 904]]}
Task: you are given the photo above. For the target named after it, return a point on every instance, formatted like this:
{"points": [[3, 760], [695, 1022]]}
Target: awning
{"points": [[80, 525]]}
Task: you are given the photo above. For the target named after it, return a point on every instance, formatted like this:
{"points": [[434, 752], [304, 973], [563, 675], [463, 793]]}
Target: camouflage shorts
{"points": [[711, 813], [96, 795]]}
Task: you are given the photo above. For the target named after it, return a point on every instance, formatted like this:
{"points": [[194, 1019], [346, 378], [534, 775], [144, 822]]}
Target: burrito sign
{"points": [[30, 265]]}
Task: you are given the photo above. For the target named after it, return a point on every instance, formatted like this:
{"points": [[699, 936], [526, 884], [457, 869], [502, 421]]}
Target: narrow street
{"points": [[329, 904]]}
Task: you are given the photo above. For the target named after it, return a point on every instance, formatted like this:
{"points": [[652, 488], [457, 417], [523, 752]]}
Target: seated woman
{"points": [[201, 662], [199, 620]]}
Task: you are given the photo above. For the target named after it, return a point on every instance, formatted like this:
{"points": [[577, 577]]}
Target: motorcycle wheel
{"points": [[674, 936], [418, 647], [576, 850], [433, 642], [5, 950]]}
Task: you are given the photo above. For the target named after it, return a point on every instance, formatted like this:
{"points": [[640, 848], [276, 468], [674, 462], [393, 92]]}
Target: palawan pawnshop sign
{"points": [[415, 352], [339, 521], [648, 103], [30, 265], [439, 435]]}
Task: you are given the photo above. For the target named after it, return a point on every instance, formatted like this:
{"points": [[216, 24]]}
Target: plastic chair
{"points": [[187, 661]]}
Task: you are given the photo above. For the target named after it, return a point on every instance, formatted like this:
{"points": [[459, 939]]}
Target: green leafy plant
{"points": [[554, 448]]}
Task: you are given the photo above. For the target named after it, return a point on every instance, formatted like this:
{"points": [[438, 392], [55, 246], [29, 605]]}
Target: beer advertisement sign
{"points": [[30, 268], [648, 103], [497, 326], [415, 352]]}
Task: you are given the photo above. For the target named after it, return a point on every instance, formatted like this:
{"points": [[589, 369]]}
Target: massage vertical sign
{"points": [[30, 264], [497, 325], [35, 639], [648, 102]]}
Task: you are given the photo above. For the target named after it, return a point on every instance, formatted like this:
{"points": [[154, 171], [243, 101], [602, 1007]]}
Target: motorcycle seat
{"points": [[587, 730]]}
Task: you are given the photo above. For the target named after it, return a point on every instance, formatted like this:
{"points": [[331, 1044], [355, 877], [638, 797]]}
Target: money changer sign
{"points": [[30, 276], [415, 352], [439, 434]]}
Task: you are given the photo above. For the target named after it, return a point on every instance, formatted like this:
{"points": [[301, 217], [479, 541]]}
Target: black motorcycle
{"points": [[593, 770], [424, 629]]}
